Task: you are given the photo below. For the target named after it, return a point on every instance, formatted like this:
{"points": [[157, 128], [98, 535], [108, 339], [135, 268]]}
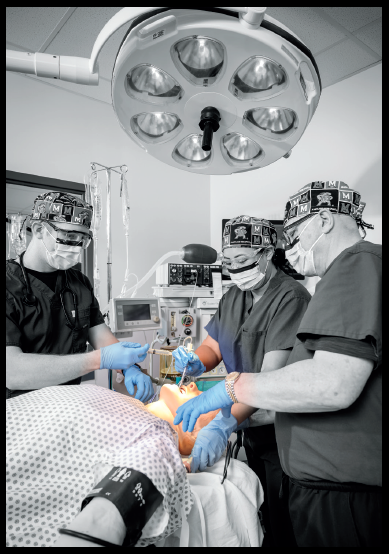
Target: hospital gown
{"points": [[62, 440]]}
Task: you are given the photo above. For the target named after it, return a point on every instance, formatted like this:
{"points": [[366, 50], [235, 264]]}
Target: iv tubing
{"points": [[132, 291]]}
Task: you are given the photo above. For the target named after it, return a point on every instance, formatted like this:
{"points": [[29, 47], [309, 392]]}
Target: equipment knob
{"points": [[187, 331], [156, 319]]}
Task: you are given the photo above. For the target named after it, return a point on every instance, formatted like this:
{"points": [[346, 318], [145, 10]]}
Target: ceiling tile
{"points": [[371, 35], [31, 26], [342, 60], [78, 35], [354, 18], [315, 31]]}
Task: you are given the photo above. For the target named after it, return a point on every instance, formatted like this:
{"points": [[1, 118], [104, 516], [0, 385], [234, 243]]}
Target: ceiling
{"points": [[344, 41]]}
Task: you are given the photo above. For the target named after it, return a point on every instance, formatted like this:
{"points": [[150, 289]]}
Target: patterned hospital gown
{"points": [[62, 440]]}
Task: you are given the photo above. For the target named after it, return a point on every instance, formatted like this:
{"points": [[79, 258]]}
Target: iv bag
{"points": [[125, 203], [18, 233], [95, 189]]}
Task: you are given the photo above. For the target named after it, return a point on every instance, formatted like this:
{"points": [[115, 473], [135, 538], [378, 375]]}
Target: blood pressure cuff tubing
{"points": [[133, 494]]}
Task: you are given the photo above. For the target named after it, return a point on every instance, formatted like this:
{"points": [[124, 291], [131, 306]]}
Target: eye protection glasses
{"points": [[236, 264], [289, 236], [71, 238]]}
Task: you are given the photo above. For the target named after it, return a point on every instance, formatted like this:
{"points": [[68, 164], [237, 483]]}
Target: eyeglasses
{"points": [[71, 238], [291, 240], [232, 264]]}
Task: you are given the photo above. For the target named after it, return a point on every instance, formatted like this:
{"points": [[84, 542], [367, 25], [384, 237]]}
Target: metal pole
{"points": [[109, 238]]}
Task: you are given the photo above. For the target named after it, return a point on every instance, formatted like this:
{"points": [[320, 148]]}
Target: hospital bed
{"points": [[60, 442]]}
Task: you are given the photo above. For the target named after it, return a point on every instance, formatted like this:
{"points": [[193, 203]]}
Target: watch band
{"points": [[229, 384]]}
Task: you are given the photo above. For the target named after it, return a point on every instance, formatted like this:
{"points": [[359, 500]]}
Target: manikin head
{"points": [[170, 398]]}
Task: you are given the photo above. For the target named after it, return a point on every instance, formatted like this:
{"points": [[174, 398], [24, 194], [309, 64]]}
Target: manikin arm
{"points": [[100, 519]]}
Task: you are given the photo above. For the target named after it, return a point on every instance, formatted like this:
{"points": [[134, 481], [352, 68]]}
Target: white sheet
{"points": [[230, 509], [62, 440]]}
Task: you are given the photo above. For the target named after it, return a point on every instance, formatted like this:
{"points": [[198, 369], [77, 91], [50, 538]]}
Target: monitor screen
{"points": [[136, 312]]}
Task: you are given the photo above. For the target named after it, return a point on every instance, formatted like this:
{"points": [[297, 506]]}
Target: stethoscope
{"points": [[30, 300]]}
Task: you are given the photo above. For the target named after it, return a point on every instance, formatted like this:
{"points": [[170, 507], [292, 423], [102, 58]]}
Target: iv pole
{"points": [[121, 170]]}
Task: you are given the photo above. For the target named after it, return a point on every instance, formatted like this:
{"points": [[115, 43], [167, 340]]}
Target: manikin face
{"points": [[171, 397]]}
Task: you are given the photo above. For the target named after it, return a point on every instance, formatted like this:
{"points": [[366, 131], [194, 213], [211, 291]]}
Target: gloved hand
{"points": [[212, 441], [190, 359], [122, 355], [212, 399], [133, 376]]}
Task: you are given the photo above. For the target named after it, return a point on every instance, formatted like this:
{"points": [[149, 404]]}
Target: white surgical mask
{"points": [[63, 257], [303, 260], [248, 277]]}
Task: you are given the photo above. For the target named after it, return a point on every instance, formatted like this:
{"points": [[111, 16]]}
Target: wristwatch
{"points": [[229, 381]]}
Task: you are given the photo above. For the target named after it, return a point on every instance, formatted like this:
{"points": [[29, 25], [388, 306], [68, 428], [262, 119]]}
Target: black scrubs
{"points": [[43, 329], [246, 332]]}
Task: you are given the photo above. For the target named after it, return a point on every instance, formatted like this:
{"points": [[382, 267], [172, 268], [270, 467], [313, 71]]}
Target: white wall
{"points": [[53, 133], [342, 142]]}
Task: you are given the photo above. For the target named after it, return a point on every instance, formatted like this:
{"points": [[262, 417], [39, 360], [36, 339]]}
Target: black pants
{"points": [[334, 514], [262, 457]]}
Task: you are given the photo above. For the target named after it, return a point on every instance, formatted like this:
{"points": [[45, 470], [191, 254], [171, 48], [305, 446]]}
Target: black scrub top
{"points": [[246, 331], [42, 329]]}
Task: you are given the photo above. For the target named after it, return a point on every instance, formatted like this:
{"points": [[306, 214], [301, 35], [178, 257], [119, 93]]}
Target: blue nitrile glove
{"points": [[122, 355], [183, 359], [133, 376], [212, 399], [211, 442]]}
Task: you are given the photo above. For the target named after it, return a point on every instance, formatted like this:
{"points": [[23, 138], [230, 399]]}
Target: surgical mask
{"points": [[63, 257], [303, 260], [249, 276]]}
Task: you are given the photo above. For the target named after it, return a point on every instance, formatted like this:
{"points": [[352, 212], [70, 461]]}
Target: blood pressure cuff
{"points": [[133, 494]]}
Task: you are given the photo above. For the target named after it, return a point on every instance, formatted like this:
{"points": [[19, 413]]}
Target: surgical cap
{"points": [[63, 208], [335, 196], [245, 231]]}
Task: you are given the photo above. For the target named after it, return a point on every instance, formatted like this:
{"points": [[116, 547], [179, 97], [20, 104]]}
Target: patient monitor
{"points": [[170, 398]]}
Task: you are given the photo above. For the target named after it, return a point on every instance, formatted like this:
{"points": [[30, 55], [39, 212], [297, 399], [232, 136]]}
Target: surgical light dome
{"points": [[210, 91]]}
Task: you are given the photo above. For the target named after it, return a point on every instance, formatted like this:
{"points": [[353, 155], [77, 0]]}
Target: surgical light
{"points": [[271, 123], [151, 84], [258, 78], [155, 127], [248, 82], [199, 59], [189, 152], [241, 151]]}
